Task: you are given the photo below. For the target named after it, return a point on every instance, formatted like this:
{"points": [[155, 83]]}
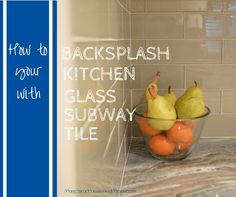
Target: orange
{"points": [[145, 127], [191, 123], [161, 145], [180, 133], [182, 146]]}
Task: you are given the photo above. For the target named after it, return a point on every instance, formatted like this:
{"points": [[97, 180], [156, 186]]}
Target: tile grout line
{"points": [[187, 12], [85, 39], [145, 6], [221, 102], [222, 51], [184, 26], [185, 77]]}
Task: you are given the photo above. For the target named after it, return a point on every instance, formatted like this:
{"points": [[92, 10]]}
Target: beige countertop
{"points": [[210, 171]]}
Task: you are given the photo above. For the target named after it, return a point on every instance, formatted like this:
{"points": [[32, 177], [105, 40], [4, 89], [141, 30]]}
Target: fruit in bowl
{"points": [[171, 128]]}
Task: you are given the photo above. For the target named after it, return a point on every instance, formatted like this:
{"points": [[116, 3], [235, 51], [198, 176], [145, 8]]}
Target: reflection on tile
{"points": [[150, 26], [137, 6], [202, 5], [229, 101], [229, 5], [213, 76], [198, 25], [219, 126], [229, 51], [202, 51], [168, 76], [124, 3], [210, 26], [184, 5]]}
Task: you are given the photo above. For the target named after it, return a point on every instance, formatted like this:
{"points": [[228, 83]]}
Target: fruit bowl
{"points": [[177, 142]]}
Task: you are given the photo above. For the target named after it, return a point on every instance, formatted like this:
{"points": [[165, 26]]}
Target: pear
{"points": [[190, 104], [160, 108], [152, 87], [170, 96]]}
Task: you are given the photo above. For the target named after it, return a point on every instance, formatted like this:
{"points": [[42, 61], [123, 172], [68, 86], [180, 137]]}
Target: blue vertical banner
{"points": [[27, 98]]}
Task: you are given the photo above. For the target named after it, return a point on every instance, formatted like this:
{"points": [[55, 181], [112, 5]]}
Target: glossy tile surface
{"points": [[188, 51], [212, 76], [149, 26], [210, 26], [229, 55], [229, 101]]}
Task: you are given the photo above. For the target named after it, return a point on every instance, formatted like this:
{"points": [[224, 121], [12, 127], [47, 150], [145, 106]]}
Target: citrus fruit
{"points": [[180, 133], [146, 128], [161, 145], [182, 146]]}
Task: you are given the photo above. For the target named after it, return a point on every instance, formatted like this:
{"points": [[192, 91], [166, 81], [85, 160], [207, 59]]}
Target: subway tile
{"points": [[212, 76], [119, 94], [229, 101], [138, 95], [229, 5], [188, 51], [210, 26], [126, 25], [91, 53], [163, 5], [202, 5], [170, 75], [96, 15], [137, 6], [115, 23], [229, 53], [220, 126], [212, 99], [123, 3], [127, 94], [124, 61], [135, 44], [151, 26], [184, 5]]}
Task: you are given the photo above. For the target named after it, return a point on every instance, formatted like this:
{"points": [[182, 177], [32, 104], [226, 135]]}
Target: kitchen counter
{"points": [[210, 171]]}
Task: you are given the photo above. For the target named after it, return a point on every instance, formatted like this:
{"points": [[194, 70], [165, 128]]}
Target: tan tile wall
{"points": [[201, 35], [93, 23]]}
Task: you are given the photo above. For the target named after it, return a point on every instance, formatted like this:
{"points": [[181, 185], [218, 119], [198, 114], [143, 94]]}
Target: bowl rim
{"points": [[207, 112]]}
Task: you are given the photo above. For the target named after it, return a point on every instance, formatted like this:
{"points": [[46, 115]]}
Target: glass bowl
{"points": [[177, 142]]}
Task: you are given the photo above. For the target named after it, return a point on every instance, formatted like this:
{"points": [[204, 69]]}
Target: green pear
{"points": [[190, 104], [161, 109], [170, 96], [152, 84]]}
